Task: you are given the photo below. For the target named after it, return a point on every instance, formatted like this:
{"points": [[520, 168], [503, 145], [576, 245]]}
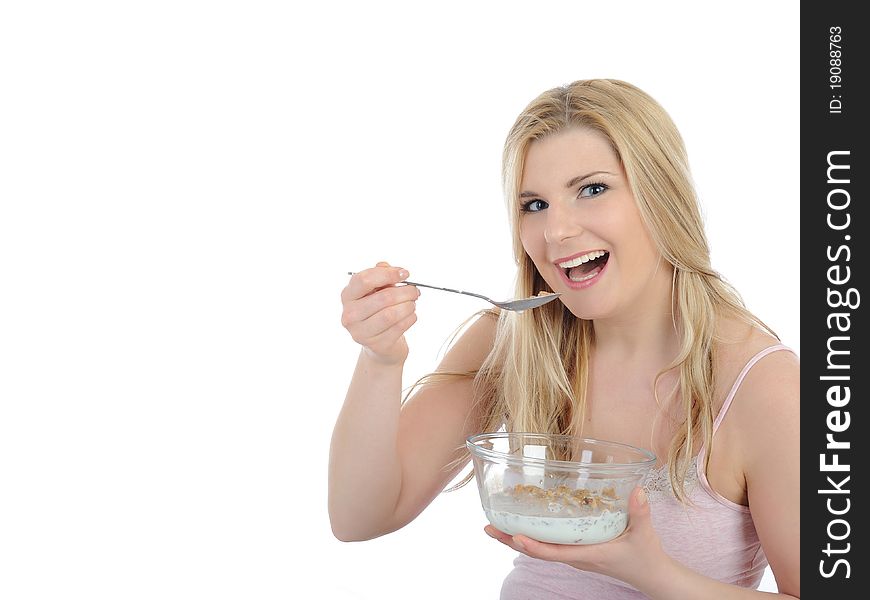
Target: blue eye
{"points": [[591, 190], [534, 206]]}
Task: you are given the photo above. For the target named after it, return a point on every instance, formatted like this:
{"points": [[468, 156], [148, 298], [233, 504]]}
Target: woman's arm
{"points": [[387, 462], [767, 409]]}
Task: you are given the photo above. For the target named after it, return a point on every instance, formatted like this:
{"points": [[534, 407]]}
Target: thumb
{"points": [[638, 508]]}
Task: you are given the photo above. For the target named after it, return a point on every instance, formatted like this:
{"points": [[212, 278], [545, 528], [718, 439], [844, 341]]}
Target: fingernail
{"points": [[641, 497], [403, 273]]}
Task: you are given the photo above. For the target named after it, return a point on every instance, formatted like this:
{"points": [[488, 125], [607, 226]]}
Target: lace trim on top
{"points": [[657, 483]]}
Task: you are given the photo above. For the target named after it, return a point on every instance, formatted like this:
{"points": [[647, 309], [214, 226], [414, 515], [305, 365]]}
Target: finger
{"points": [[500, 536], [638, 509], [526, 545], [391, 335], [365, 282], [541, 550], [570, 554], [374, 314], [497, 534]]}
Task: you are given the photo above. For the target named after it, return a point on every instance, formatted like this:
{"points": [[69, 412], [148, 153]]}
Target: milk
{"points": [[591, 529]]}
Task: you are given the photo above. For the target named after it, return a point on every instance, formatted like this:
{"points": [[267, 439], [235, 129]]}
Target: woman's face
{"points": [[581, 227]]}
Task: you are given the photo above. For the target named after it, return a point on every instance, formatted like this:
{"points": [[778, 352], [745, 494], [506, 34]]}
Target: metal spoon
{"points": [[518, 305]]}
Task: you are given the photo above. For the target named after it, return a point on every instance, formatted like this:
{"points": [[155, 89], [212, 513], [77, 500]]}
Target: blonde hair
{"points": [[535, 377]]}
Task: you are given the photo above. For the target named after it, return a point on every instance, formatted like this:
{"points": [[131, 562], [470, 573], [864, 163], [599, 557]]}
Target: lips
{"points": [[583, 269]]}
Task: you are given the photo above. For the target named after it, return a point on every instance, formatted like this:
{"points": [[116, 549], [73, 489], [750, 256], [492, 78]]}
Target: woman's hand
{"points": [[632, 556], [377, 313]]}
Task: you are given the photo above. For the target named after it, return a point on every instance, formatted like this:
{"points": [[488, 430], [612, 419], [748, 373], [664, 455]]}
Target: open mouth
{"points": [[586, 266]]}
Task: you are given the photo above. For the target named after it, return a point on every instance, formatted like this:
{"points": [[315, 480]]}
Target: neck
{"points": [[645, 329]]}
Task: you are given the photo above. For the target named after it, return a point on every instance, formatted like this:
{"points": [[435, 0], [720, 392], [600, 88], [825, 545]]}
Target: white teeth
{"points": [[585, 277], [576, 262]]}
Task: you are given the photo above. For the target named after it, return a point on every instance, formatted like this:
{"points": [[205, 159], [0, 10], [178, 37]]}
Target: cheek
{"points": [[642, 237], [642, 250], [531, 236], [628, 227]]}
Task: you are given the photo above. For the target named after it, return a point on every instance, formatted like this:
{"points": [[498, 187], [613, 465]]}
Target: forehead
{"points": [[559, 157]]}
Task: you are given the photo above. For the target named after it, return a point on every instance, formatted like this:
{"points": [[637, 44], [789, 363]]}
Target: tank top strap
{"points": [[751, 363]]}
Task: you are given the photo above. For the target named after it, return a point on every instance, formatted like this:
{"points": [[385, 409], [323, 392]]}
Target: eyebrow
{"points": [[571, 183]]}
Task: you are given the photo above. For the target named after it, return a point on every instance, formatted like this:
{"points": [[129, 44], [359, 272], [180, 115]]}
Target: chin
{"points": [[584, 311]]}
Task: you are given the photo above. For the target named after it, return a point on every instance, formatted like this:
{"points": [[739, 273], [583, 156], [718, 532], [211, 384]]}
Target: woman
{"points": [[646, 346]]}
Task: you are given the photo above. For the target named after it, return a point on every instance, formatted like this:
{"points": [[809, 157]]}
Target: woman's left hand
{"points": [[635, 554]]}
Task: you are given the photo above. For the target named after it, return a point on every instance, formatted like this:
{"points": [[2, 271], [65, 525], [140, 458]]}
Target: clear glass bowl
{"points": [[557, 488]]}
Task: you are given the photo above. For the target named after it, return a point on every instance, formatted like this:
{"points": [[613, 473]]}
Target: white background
{"points": [[183, 187]]}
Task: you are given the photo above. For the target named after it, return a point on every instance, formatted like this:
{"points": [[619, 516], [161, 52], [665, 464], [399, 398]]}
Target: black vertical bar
{"points": [[834, 229]]}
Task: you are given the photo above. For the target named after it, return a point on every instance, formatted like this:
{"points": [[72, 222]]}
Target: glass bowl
{"points": [[557, 488]]}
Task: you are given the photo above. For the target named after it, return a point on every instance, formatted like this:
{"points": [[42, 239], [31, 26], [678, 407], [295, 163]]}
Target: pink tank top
{"points": [[712, 536]]}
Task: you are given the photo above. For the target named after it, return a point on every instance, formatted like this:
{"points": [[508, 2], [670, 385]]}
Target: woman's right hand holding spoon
{"points": [[377, 312]]}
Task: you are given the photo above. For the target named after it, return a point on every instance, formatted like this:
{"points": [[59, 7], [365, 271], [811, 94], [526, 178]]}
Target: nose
{"points": [[560, 225]]}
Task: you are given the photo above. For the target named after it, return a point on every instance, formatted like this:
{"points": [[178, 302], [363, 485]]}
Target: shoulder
{"points": [[738, 346], [764, 424], [770, 391], [765, 409]]}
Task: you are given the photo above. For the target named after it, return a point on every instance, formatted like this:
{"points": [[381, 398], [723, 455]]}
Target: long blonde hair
{"points": [[535, 377]]}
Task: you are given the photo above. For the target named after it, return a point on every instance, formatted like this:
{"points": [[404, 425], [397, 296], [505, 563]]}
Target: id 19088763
{"points": [[835, 69]]}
